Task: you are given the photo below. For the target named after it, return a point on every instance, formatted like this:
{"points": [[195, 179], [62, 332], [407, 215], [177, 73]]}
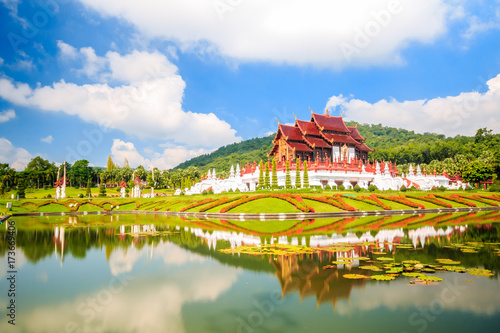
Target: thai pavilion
{"points": [[324, 139]]}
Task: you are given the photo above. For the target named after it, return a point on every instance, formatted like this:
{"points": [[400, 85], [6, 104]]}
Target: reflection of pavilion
{"points": [[59, 241], [308, 279]]}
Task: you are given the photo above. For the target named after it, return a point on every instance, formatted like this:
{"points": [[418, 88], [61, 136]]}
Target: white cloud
{"points": [[18, 158], [47, 139], [169, 158], [451, 115], [66, 50], [478, 25], [146, 101], [283, 31], [1, 61], [7, 115]]}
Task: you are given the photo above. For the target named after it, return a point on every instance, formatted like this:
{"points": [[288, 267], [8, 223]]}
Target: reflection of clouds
{"points": [[20, 261], [123, 260], [475, 297], [148, 303]]}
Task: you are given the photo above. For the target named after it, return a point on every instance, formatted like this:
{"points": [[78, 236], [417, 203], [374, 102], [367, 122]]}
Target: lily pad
{"points": [[428, 278], [355, 276], [382, 277]]}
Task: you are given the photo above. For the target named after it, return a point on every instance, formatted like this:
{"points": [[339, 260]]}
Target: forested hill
{"points": [[222, 159], [390, 144]]}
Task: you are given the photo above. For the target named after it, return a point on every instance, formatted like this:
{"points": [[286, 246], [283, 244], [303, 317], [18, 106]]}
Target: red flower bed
{"points": [[287, 197], [457, 199], [219, 202], [372, 200], [432, 199], [403, 200], [491, 197], [336, 201], [196, 204]]}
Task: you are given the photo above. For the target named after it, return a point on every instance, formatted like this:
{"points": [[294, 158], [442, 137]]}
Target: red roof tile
{"points": [[317, 143], [339, 138], [355, 134], [330, 123], [290, 132], [299, 146], [307, 127], [364, 147]]}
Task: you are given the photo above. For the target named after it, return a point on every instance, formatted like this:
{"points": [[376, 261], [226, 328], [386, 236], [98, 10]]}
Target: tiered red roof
{"points": [[355, 134], [321, 132], [329, 123]]}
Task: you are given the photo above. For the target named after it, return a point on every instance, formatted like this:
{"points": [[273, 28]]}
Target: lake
{"points": [[153, 273]]}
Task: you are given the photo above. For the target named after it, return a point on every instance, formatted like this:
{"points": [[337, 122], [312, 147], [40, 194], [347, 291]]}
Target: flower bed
{"points": [[300, 205], [196, 204], [219, 202], [432, 199], [372, 200], [336, 201], [489, 197], [456, 198], [403, 200], [480, 199]]}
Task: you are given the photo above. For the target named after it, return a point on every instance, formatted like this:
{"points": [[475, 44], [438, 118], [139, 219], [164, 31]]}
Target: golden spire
{"points": [[327, 112], [278, 121], [311, 110], [294, 116], [342, 113], [356, 125]]}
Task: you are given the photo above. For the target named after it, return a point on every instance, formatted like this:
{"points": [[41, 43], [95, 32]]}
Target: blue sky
{"points": [[162, 81]]}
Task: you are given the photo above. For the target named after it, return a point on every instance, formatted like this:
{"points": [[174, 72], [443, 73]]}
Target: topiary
{"points": [[341, 188], [230, 190], [48, 196], [237, 190], [442, 188], [494, 188], [372, 188], [403, 189], [80, 195], [357, 188], [204, 192], [210, 191]]}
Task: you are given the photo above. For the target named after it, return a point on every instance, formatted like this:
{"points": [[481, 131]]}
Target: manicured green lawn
{"points": [[320, 207], [266, 226], [267, 205]]}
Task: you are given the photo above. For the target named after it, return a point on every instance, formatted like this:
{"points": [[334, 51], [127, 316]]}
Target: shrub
{"points": [[328, 187], [468, 188], [403, 189], [46, 187], [372, 188], [80, 195], [48, 196], [102, 190], [494, 188], [230, 190], [434, 188], [204, 192], [237, 190], [341, 188], [210, 191], [442, 188], [357, 188], [182, 193]]}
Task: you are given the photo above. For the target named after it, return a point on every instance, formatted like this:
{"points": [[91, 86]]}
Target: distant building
{"points": [[324, 139]]}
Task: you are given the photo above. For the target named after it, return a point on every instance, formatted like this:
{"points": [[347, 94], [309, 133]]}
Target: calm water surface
{"points": [[150, 273]]}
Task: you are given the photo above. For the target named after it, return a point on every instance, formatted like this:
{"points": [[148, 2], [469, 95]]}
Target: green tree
{"points": [[267, 180], [274, 184], [102, 190], [88, 193], [110, 165], [80, 172], [288, 179], [21, 188], [125, 163], [477, 171], [141, 172], [306, 176], [261, 175], [298, 181]]}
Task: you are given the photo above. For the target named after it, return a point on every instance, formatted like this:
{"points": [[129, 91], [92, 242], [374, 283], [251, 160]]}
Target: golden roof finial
{"points": [[278, 121], [294, 116], [311, 110], [356, 125], [327, 112], [342, 113]]}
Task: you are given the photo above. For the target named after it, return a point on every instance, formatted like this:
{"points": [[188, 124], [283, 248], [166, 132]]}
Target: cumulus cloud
{"points": [[141, 96], [7, 115], [66, 51], [169, 158], [451, 115], [282, 31], [47, 139], [18, 158]]}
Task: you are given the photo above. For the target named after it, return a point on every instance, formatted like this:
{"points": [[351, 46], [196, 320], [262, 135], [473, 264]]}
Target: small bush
{"points": [[182, 193], [328, 187], [434, 188], [403, 189], [80, 195], [46, 187], [468, 188], [48, 196], [357, 188], [372, 188], [442, 188], [494, 188], [210, 191], [341, 188], [230, 190], [237, 190], [204, 192]]}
